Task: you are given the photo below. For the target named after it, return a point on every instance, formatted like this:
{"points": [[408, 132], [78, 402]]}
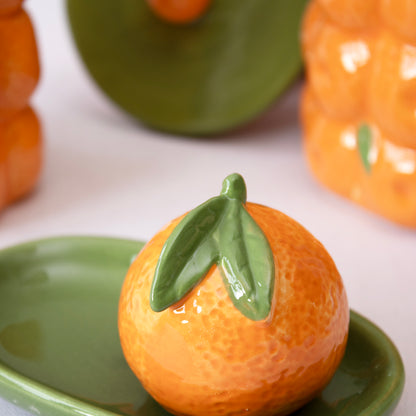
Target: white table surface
{"points": [[106, 175]]}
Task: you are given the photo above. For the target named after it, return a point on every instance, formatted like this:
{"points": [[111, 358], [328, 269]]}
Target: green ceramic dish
{"points": [[196, 79], [60, 352]]}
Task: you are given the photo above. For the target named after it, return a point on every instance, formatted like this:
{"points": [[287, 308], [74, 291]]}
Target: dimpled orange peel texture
{"points": [[20, 137], [202, 356], [179, 11], [361, 77]]}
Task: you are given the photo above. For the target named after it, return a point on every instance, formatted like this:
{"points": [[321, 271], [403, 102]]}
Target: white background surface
{"points": [[106, 175]]}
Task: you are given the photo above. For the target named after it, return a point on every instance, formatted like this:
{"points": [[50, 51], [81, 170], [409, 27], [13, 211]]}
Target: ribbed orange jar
{"points": [[359, 104]]}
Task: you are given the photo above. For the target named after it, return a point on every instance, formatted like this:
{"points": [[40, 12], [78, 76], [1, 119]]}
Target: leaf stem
{"points": [[234, 187]]}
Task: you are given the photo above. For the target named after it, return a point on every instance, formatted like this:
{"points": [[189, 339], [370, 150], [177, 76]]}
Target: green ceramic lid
{"points": [[197, 79]]}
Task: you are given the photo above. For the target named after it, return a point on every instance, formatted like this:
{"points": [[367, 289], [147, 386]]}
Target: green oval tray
{"points": [[59, 345], [197, 79]]}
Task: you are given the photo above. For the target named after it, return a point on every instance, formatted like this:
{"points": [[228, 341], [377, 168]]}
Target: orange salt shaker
{"points": [[359, 104], [20, 136]]}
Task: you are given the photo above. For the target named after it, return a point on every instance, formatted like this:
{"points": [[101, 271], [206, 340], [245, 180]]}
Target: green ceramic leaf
{"points": [[221, 232], [187, 255], [198, 79], [247, 263], [364, 145]]}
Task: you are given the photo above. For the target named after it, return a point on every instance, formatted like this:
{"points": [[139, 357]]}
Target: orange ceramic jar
{"points": [[233, 310], [20, 138], [359, 104]]}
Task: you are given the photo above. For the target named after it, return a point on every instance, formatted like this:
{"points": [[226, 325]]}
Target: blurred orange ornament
{"points": [[20, 136], [359, 105], [179, 11]]}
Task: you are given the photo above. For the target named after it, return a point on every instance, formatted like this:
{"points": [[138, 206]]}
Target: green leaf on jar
{"points": [[219, 232]]}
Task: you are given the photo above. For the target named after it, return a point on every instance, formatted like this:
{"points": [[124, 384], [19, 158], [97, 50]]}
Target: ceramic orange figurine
{"points": [[20, 137], [233, 309], [359, 104]]}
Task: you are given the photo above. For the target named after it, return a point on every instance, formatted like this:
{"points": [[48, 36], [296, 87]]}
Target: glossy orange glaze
{"points": [[361, 69], [20, 138], [203, 357], [179, 11], [392, 89]]}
